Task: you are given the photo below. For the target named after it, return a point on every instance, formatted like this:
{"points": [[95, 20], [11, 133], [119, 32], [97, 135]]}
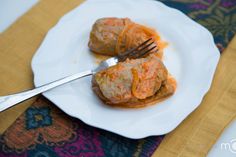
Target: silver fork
{"points": [[137, 52]]}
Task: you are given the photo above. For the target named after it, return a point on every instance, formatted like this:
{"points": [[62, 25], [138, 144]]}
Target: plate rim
{"points": [[204, 90]]}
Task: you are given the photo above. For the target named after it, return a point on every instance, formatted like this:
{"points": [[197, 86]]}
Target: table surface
{"points": [[10, 10]]}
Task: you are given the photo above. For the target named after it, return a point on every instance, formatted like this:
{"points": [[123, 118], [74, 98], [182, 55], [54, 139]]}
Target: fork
{"points": [[137, 52]]}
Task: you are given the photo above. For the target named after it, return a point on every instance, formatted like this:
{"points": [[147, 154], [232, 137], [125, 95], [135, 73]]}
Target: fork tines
{"points": [[139, 51]]}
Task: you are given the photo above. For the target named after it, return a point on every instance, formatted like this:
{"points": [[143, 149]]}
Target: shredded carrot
{"points": [[121, 35], [135, 81], [131, 30]]}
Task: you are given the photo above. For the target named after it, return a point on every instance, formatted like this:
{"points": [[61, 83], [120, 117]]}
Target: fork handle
{"points": [[11, 100]]}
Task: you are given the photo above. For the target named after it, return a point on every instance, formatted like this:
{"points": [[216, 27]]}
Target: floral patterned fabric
{"points": [[45, 131], [218, 16]]}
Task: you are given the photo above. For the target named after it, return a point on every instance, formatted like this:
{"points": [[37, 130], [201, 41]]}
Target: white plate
{"points": [[191, 58]]}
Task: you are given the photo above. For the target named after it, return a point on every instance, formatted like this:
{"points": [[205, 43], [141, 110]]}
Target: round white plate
{"points": [[191, 57]]}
